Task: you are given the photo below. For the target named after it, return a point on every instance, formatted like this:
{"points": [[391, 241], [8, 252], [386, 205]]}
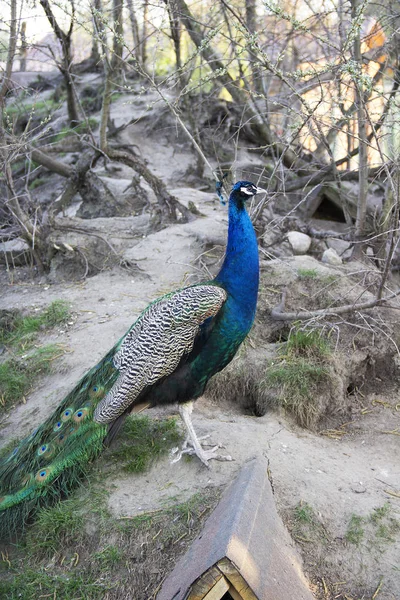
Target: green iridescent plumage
{"points": [[51, 461]]}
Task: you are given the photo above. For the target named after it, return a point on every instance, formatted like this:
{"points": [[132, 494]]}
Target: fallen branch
{"points": [[278, 313]]}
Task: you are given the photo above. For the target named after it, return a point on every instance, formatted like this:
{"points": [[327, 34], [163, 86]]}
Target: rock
{"points": [[15, 253], [300, 242], [331, 257], [340, 246]]}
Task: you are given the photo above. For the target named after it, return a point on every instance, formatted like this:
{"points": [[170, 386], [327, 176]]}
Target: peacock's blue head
{"points": [[244, 190]]}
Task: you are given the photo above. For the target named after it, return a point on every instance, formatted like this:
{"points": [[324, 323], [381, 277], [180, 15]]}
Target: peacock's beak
{"points": [[261, 191]]}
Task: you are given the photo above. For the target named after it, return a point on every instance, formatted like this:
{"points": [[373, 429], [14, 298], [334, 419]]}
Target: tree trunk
{"points": [[23, 48], [362, 143], [118, 40], [144, 33], [135, 30], [65, 67], [251, 22], [175, 27]]}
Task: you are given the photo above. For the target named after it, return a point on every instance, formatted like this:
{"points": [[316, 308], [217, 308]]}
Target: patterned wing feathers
{"points": [[155, 345]]}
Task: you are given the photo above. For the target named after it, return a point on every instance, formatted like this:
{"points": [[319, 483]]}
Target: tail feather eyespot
{"points": [[43, 475], [81, 414], [96, 391], [60, 438], [45, 450], [67, 414]]}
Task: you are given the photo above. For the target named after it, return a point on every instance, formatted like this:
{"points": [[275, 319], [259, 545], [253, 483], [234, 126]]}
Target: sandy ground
{"points": [[338, 478]]}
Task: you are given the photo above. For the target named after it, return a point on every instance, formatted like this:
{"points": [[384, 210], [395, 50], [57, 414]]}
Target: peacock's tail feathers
{"points": [[52, 459]]}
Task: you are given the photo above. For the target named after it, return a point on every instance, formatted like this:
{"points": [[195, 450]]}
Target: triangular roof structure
{"points": [[244, 551]]}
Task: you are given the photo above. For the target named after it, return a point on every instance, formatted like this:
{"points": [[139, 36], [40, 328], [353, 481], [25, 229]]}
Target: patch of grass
{"points": [[56, 527], [297, 381], [18, 376], [380, 513], [386, 527], [305, 526], [384, 532], [109, 557], [56, 313], [84, 127], [303, 513], [329, 279], [307, 343], [145, 439], [78, 559], [37, 183], [29, 584], [298, 373], [355, 531], [377, 527], [20, 331], [41, 107], [307, 273], [14, 383]]}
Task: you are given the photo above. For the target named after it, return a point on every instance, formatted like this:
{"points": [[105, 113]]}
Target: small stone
{"points": [[14, 252], [331, 257], [300, 242]]}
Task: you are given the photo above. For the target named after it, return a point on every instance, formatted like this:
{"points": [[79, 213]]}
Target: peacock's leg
{"points": [[185, 410]]}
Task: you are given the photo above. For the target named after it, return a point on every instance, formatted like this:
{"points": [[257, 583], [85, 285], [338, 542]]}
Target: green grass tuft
{"points": [[56, 313], [84, 127], [307, 343], [18, 334], [304, 513], [37, 182], [380, 513], [56, 527], [298, 372], [305, 526], [298, 382], [20, 331], [355, 531], [307, 273], [143, 440], [30, 584], [17, 376], [14, 383], [109, 557]]}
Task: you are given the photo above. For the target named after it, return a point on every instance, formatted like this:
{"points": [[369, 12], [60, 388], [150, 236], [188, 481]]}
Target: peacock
{"points": [[168, 355]]}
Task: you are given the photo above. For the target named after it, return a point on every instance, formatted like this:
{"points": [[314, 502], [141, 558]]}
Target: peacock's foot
{"points": [[188, 448], [192, 445]]}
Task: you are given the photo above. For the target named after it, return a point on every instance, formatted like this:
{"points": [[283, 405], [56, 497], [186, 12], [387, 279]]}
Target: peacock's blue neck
{"points": [[239, 273]]}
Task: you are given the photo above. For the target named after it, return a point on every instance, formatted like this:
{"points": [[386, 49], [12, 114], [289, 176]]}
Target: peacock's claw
{"points": [[192, 444], [189, 448]]}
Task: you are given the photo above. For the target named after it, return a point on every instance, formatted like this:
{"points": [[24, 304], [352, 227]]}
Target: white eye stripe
{"points": [[246, 190]]}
